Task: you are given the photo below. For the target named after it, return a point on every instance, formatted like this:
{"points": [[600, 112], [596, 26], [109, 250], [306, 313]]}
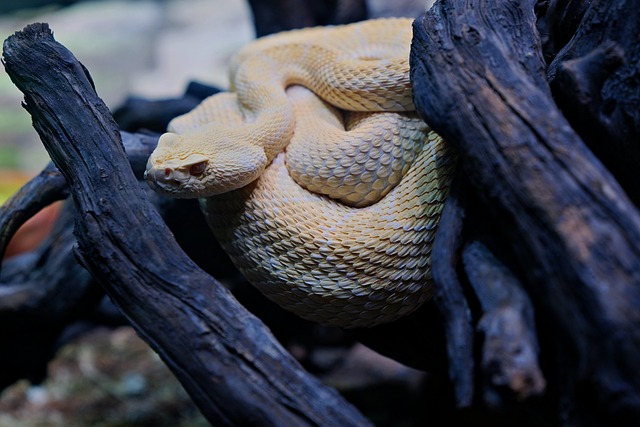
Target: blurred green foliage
{"points": [[9, 157]]}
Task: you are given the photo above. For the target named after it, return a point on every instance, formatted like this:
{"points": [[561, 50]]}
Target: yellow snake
{"points": [[315, 174]]}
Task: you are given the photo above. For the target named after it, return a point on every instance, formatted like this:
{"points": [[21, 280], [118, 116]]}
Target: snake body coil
{"points": [[316, 176]]}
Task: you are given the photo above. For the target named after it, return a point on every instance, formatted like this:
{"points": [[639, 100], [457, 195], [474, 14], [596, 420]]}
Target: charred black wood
{"points": [[558, 21], [47, 187], [272, 16], [41, 293], [510, 348], [449, 297], [480, 73], [226, 358], [141, 114], [479, 79], [45, 292], [595, 81]]}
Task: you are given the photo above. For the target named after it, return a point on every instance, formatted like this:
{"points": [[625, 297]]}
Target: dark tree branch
{"points": [[558, 22], [564, 234], [449, 296], [50, 186], [594, 77], [510, 346], [226, 359], [40, 294], [272, 16], [45, 291], [137, 114], [47, 187], [479, 80]]}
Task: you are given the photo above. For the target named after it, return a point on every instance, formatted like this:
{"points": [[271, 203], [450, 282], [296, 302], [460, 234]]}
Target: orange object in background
{"points": [[33, 232]]}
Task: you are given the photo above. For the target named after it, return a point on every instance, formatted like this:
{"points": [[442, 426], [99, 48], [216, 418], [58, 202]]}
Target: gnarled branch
{"points": [[479, 80], [226, 358]]}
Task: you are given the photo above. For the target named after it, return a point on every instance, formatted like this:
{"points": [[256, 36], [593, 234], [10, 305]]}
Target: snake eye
{"points": [[197, 169]]}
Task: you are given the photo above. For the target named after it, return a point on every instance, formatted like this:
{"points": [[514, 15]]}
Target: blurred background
{"points": [[131, 47], [151, 49]]}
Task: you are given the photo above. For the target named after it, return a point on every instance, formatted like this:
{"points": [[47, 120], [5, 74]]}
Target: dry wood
{"points": [[226, 358], [540, 98], [479, 79]]}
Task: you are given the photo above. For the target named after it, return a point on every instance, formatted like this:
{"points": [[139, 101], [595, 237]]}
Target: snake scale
{"points": [[315, 173]]}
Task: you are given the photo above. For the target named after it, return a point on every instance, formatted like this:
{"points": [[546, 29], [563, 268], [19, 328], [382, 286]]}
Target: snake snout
{"points": [[166, 174], [163, 176], [177, 177]]}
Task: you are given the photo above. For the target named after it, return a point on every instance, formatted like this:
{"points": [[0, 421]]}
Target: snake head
{"points": [[189, 166]]}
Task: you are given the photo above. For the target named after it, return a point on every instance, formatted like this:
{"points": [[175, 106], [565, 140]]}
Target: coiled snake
{"points": [[315, 174]]}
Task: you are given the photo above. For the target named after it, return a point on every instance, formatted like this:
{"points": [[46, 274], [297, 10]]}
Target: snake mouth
{"points": [[177, 179], [166, 180]]}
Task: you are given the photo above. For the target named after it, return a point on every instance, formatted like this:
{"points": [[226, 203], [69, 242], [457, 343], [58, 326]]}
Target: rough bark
{"points": [[272, 16], [139, 114], [479, 79], [46, 293], [536, 312], [510, 345], [227, 360], [594, 78], [450, 300], [38, 300]]}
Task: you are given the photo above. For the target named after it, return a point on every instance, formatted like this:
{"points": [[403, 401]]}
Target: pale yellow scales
{"points": [[315, 174]]}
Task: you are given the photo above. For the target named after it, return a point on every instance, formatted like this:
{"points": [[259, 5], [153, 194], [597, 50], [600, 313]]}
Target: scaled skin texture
{"points": [[315, 174]]}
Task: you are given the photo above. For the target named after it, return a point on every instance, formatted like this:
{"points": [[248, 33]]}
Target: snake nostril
{"points": [[162, 174]]}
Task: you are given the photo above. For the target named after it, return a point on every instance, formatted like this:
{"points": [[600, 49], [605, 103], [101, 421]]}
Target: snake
{"points": [[316, 174]]}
